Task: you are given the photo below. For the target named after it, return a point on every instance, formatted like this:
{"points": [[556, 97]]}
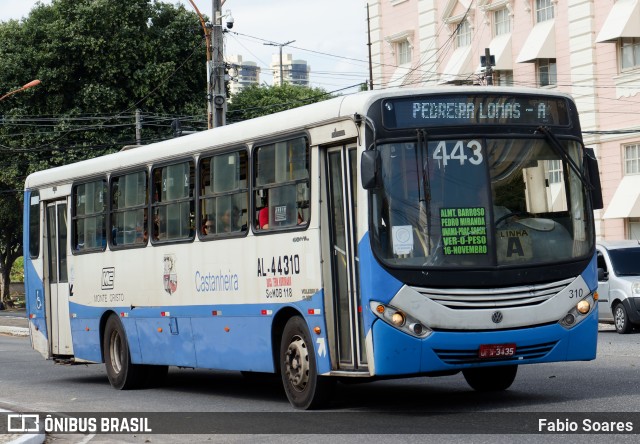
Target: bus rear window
{"points": [[34, 225]]}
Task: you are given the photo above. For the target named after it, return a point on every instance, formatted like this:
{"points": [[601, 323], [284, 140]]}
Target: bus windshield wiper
{"points": [[559, 149]]}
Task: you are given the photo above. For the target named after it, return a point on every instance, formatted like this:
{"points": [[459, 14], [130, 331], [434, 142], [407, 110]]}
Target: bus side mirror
{"points": [[369, 170], [594, 178]]}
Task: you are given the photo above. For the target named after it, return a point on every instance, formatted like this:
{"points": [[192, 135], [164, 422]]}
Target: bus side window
{"points": [[282, 184], [224, 194], [173, 201]]}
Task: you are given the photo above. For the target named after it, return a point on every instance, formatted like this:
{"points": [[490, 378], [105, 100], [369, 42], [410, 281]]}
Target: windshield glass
{"points": [[625, 261], [478, 203]]}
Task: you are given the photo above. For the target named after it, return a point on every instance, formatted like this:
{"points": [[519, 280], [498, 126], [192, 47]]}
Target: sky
{"points": [[331, 35]]}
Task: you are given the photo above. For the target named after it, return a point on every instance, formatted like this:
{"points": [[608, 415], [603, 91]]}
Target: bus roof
{"points": [[270, 126]]}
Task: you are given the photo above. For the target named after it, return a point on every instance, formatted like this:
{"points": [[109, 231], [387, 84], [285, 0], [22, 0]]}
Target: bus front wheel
{"points": [[121, 372], [490, 379], [304, 388]]}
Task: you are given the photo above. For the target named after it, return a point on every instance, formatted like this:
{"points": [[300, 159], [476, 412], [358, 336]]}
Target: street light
{"points": [[27, 86]]}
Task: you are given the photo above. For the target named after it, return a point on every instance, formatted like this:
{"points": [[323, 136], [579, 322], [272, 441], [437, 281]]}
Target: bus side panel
{"points": [[233, 343], [34, 289], [167, 341], [85, 336], [36, 310]]}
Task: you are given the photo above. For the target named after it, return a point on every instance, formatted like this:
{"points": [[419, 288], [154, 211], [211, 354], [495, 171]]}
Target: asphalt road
{"points": [[403, 410]]}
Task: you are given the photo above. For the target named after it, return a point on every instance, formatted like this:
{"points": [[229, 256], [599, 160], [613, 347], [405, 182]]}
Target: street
{"points": [[608, 384]]}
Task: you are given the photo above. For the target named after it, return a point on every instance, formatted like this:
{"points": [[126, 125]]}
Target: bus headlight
{"points": [[400, 320], [578, 312], [583, 307]]}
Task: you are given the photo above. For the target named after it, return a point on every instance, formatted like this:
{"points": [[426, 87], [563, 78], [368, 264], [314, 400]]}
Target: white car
{"points": [[619, 284]]}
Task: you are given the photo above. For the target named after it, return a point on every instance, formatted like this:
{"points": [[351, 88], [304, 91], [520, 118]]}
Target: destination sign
{"points": [[475, 109]]}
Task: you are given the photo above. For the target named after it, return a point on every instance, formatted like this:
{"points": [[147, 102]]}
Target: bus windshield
{"points": [[479, 203]]}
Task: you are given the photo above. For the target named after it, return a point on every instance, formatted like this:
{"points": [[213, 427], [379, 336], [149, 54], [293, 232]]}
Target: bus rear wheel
{"points": [[304, 388], [490, 379], [122, 374]]}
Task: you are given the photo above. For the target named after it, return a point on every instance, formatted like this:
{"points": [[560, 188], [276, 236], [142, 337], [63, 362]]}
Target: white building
{"points": [[245, 73], [294, 72]]}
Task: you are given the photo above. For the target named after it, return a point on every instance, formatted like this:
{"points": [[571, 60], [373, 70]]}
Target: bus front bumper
{"points": [[396, 353]]}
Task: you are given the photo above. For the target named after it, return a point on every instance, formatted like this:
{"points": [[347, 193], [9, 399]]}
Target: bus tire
{"points": [[490, 379], [304, 388], [122, 374]]}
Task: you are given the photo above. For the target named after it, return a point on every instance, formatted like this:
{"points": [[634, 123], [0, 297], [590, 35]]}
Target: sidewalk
{"points": [[14, 322]]}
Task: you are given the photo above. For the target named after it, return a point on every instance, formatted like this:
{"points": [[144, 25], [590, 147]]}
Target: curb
{"points": [[14, 331], [26, 438], [29, 439]]}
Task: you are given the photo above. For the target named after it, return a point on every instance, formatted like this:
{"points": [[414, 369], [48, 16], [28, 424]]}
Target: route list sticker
{"points": [[464, 230]]}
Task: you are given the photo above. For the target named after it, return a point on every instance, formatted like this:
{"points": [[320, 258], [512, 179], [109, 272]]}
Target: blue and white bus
{"points": [[384, 234]]}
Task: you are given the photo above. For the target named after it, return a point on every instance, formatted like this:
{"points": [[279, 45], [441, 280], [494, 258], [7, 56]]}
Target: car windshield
{"points": [[625, 261], [478, 203]]}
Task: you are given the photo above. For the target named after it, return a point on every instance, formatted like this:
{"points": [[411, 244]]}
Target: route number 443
{"points": [[458, 152]]}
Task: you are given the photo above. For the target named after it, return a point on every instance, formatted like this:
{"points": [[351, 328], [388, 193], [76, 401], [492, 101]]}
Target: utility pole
{"points": [[216, 92], [138, 128], [280, 45], [369, 45], [488, 64], [216, 70]]}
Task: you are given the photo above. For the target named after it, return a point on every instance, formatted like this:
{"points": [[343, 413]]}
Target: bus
{"points": [[384, 234]]}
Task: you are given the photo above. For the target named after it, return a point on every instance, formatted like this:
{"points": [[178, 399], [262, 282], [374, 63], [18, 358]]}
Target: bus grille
{"points": [[523, 353], [475, 299]]}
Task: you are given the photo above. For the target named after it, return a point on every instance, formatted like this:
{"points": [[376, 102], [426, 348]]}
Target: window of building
{"points": [[403, 51], [173, 205], [501, 22], [630, 52], [463, 34], [547, 72], [129, 211], [224, 194], [544, 10], [555, 171], [89, 222], [634, 228], [632, 159], [282, 184], [503, 78]]}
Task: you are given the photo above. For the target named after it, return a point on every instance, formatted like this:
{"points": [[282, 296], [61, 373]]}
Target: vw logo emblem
{"points": [[496, 317]]}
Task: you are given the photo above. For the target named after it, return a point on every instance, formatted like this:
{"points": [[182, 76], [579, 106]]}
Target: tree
{"points": [[98, 61], [259, 100]]}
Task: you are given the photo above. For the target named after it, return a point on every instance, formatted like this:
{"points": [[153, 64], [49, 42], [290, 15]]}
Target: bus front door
{"points": [[59, 323], [347, 332]]}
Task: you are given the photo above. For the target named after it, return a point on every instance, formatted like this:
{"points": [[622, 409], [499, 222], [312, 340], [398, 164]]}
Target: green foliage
{"points": [[17, 271], [256, 101], [98, 61]]}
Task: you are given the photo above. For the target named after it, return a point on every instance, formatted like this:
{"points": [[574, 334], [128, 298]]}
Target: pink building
{"points": [[588, 48]]}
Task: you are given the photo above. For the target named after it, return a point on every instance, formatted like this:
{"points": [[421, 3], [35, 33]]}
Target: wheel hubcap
{"points": [[296, 363], [619, 319], [116, 350]]}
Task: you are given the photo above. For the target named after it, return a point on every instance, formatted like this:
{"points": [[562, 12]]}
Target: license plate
{"points": [[488, 351]]}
